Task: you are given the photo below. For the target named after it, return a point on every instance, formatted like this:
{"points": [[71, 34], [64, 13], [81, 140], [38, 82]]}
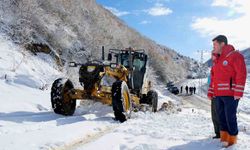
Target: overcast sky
{"points": [[186, 26]]}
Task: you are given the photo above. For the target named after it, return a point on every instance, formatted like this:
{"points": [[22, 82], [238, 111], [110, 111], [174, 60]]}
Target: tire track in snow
{"points": [[85, 140], [195, 102]]}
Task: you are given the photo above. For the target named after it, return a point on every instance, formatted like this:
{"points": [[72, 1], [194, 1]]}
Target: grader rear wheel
{"points": [[152, 97], [60, 100], [121, 101]]}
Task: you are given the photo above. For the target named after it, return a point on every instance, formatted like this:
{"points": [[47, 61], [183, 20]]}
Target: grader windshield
{"points": [[135, 61]]}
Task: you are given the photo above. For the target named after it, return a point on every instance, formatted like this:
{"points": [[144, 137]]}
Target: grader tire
{"points": [[121, 101], [61, 103], [152, 97]]}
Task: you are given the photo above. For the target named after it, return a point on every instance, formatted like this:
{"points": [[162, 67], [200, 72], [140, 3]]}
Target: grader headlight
{"points": [[91, 68], [113, 66]]}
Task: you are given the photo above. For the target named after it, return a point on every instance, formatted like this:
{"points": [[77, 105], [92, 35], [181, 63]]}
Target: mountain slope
{"points": [[69, 27]]}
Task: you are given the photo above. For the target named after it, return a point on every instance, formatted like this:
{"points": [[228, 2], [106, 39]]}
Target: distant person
{"points": [[194, 90], [229, 79], [190, 90], [181, 89], [186, 88]]}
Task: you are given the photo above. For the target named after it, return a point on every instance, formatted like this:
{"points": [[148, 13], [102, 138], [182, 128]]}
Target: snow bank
{"points": [[21, 67]]}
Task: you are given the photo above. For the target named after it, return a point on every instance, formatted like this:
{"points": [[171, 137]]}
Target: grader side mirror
{"points": [[109, 57]]}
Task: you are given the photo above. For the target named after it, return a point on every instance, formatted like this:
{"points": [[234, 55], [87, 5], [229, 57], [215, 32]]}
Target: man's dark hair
{"points": [[220, 39]]}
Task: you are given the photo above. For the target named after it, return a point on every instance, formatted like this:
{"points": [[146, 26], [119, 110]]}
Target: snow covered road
{"points": [[190, 129], [27, 122]]}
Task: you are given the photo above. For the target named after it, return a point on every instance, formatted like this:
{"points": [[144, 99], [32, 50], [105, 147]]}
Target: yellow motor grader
{"points": [[119, 82]]}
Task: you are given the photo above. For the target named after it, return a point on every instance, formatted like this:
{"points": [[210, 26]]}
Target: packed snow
{"points": [[27, 120]]}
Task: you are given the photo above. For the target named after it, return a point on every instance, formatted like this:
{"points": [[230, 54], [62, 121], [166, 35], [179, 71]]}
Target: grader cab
{"points": [[119, 82]]}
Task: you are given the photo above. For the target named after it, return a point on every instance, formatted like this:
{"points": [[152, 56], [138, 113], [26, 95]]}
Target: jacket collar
{"points": [[227, 50]]}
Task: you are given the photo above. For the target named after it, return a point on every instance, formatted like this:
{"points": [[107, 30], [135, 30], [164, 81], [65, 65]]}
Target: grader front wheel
{"points": [[121, 101], [60, 100]]}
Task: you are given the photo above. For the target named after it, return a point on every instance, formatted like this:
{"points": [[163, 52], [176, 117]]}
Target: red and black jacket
{"points": [[228, 75]]}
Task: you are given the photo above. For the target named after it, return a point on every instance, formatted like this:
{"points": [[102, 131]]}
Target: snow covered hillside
{"points": [[76, 30]]}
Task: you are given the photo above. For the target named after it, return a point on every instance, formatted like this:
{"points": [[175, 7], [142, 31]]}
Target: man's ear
{"points": [[221, 45]]}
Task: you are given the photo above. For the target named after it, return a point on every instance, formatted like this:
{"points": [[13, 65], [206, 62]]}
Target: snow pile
{"points": [[16, 99], [21, 73], [21, 67]]}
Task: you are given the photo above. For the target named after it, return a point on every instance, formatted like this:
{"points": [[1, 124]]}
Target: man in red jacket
{"points": [[228, 80]]}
